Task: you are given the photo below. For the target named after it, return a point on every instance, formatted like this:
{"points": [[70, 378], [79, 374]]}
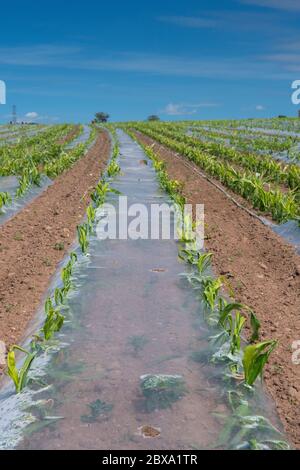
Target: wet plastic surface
{"points": [[283, 156], [276, 132], [14, 137], [290, 231], [81, 139], [10, 184], [132, 323]]}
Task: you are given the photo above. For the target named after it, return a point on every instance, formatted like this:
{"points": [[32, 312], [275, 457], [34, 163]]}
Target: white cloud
{"points": [[189, 21], [232, 21], [129, 62], [180, 109], [38, 55], [284, 58], [288, 5], [260, 107], [174, 110], [32, 115]]}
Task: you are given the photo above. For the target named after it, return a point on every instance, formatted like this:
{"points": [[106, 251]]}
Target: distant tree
{"points": [[153, 117], [101, 117]]}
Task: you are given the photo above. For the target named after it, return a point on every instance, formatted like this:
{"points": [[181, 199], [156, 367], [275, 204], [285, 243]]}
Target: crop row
{"points": [[18, 133], [274, 124], [249, 142], [13, 158], [289, 175], [282, 206], [243, 365], [66, 158], [54, 318], [246, 140], [44, 156]]}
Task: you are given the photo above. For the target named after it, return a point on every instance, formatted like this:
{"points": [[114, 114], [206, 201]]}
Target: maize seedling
{"points": [[113, 169], [161, 391], [91, 216], [255, 358], [54, 320], [211, 291], [5, 198], [83, 233], [19, 377]]}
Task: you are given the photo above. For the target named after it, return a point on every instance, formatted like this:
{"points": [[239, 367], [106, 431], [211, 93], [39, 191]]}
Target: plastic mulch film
{"points": [[10, 184], [81, 139], [290, 231], [290, 157], [128, 370], [15, 137]]}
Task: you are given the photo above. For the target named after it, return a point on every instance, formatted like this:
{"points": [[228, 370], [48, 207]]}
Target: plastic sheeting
{"points": [[12, 138], [130, 315], [81, 139], [282, 156], [290, 231], [10, 184]]}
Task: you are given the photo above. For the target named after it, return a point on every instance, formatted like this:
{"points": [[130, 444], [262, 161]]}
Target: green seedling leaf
{"points": [[54, 320], [255, 325], [19, 377], [255, 358], [98, 410]]}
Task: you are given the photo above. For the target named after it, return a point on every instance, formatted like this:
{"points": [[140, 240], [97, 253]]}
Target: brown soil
{"points": [[120, 301], [264, 272], [38, 237], [149, 431], [70, 136]]}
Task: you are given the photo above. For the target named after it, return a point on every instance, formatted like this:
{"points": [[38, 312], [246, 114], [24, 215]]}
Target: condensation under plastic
{"points": [[10, 184], [81, 139], [130, 314]]}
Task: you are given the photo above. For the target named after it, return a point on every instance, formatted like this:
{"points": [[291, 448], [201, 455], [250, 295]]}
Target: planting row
{"points": [[43, 155], [276, 146], [238, 364], [15, 134], [267, 168], [274, 125], [54, 318], [229, 357], [39, 149], [280, 146], [248, 177]]}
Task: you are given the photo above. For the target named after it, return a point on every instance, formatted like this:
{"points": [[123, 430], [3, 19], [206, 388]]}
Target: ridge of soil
{"points": [[36, 239], [264, 272]]}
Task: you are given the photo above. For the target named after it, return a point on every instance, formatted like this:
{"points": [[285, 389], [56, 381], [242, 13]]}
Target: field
{"points": [[130, 343]]}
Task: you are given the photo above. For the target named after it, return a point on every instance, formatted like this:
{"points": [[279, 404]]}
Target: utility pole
{"points": [[14, 115]]}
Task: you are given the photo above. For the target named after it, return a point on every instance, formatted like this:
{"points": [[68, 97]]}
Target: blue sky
{"points": [[190, 59]]}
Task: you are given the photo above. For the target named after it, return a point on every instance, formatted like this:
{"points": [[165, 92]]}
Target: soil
{"points": [[34, 241], [70, 136], [264, 272], [131, 316]]}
